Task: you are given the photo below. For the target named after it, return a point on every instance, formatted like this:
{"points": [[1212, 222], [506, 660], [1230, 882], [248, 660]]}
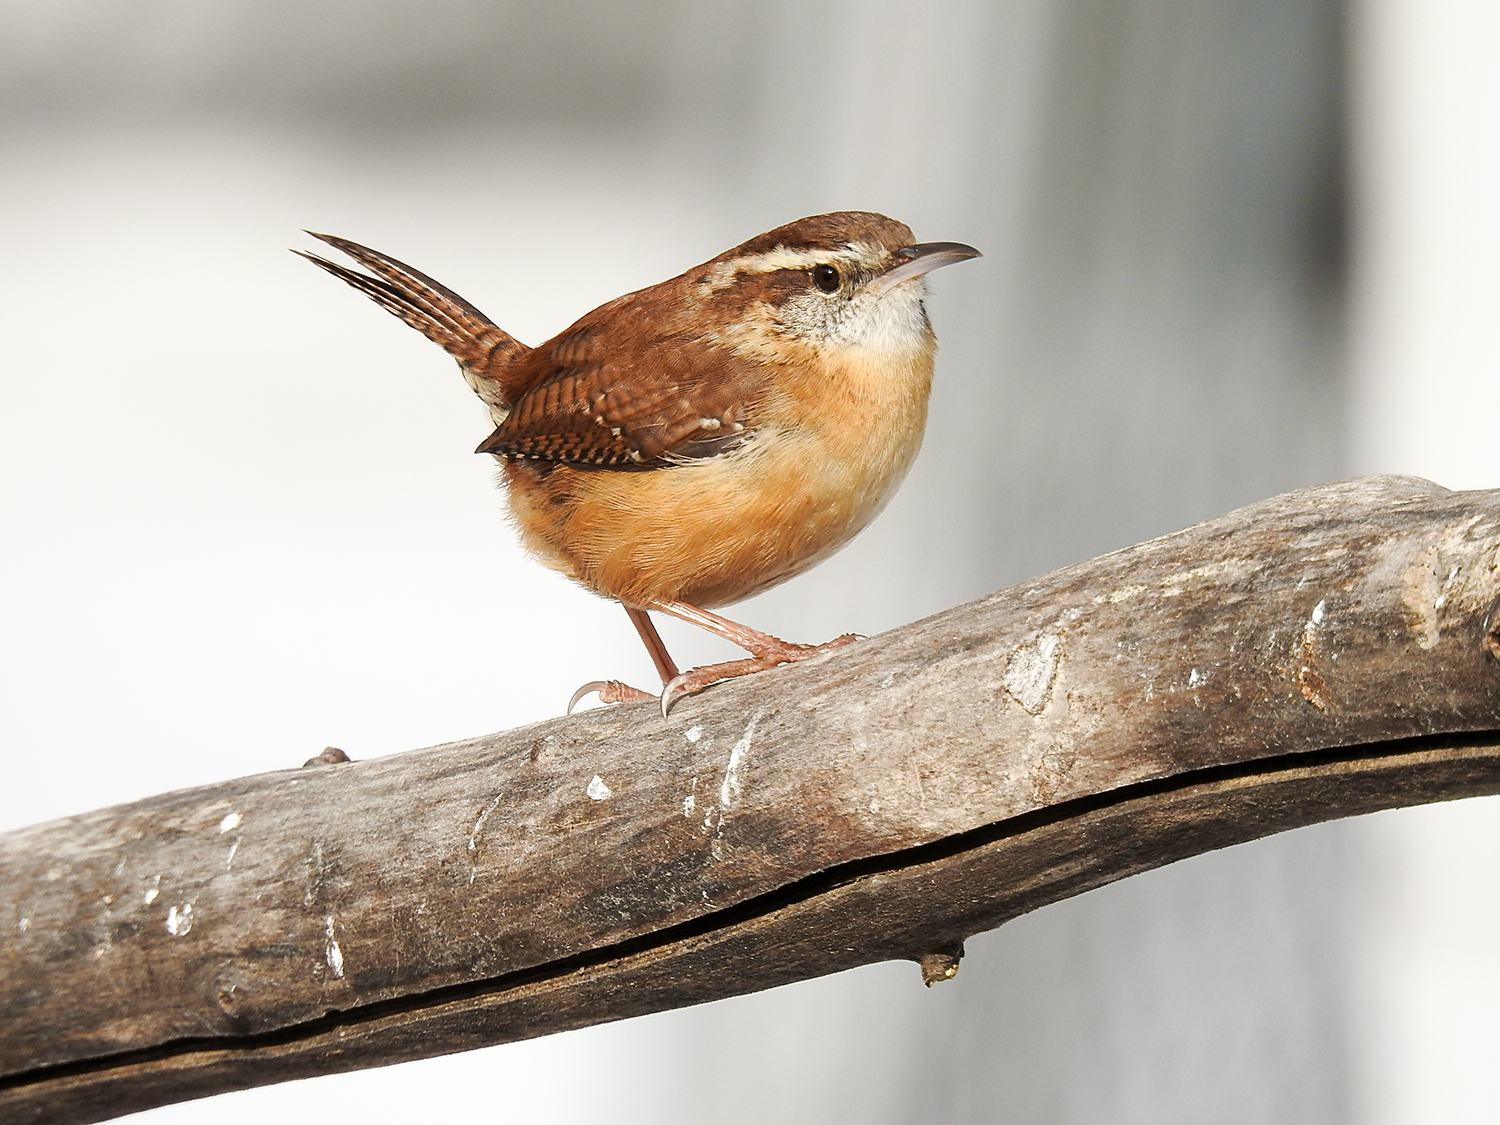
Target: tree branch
{"points": [[1322, 654]]}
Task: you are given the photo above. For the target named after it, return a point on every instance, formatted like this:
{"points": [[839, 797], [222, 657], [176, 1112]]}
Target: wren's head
{"points": [[846, 279]]}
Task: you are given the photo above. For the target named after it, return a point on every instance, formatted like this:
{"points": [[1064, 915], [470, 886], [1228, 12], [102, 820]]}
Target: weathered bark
{"points": [[1319, 655]]}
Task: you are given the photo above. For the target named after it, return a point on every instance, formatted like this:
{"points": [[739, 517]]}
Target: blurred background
{"points": [[1233, 247]]}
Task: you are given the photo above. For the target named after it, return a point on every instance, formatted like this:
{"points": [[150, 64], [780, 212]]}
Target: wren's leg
{"points": [[765, 651], [613, 691], [665, 668]]}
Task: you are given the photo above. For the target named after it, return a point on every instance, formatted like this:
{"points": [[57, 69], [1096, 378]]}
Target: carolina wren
{"points": [[691, 444]]}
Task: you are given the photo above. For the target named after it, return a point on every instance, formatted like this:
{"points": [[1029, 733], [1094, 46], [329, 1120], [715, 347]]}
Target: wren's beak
{"points": [[915, 261]]}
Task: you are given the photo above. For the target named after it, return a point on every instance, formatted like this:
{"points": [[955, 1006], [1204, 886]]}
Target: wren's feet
{"points": [[765, 652], [766, 656], [610, 691]]}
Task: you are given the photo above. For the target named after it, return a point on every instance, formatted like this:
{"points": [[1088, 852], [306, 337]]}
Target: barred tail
{"points": [[484, 351]]}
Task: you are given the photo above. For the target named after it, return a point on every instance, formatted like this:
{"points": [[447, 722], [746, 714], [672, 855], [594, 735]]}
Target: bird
{"points": [[687, 445]]}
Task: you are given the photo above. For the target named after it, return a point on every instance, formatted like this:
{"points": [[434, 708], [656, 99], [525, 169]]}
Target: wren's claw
{"points": [[696, 679], [610, 691], [781, 652]]}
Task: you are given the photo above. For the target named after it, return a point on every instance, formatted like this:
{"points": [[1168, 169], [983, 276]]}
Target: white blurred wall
{"points": [[1425, 341], [241, 521]]}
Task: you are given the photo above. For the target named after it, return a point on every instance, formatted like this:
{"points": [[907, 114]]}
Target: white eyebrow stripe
{"points": [[783, 258]]}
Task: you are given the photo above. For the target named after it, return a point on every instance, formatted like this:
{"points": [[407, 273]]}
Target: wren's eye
{"points": [[826, 278]]}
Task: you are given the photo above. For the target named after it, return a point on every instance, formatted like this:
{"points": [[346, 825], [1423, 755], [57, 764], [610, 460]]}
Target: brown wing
{"points": [[600, 399]]}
